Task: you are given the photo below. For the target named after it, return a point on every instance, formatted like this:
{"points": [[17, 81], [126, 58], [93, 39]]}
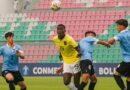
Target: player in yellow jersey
{"points": [[69, 52]]}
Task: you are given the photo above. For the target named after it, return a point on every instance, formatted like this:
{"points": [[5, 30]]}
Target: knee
{"points": [[66, 82], [9, 77], [85, 78], [117, 74], [128, 79], [94, 80], [24, 88]]}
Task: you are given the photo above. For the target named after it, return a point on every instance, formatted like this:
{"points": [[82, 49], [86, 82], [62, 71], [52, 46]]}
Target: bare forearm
{"points": [[78, 50], [104, 43], [21, 55]]}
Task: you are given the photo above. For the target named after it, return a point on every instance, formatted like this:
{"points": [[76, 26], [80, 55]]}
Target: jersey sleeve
{"points": [[118, 37], [73, 42], [1, 50], [20, 48], [54, 39], [92, 40], [95, 40]]}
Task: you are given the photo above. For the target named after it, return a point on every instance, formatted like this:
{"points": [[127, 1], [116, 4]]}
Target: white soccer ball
{"points": [[55, 5]]}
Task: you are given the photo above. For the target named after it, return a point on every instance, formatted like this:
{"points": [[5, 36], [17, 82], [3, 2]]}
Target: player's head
{"points": [[9, 36], [61, 31], [90, 33], [122, 24]]}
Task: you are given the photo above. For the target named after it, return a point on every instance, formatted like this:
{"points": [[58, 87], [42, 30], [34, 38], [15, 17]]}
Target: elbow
{"points": [[22, 57]]}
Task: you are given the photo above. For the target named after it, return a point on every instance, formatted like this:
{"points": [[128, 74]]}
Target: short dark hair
{"points": [[9, 34], [61, 27], [90, 32], [123, 22]]}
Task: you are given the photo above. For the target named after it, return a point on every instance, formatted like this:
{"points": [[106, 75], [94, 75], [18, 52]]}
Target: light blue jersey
{"points": [[124, 39], [10, 60], [86, 47]]}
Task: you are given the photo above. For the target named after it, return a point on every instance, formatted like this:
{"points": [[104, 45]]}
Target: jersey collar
{"points": [[124, 30], [62, 39], [10, 47]]}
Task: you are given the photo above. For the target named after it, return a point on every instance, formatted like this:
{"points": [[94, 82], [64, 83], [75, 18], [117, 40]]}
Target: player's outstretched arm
{"points": [[20, 54], [104, 43], [78, 50], [60, 70]]}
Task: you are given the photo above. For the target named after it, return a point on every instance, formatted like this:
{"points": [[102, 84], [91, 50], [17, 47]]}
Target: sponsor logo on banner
{"points": [[104, 70], [44, 70]]}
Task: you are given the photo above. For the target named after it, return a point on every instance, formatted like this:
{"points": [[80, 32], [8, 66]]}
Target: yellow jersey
{"points": [[66, 47]]}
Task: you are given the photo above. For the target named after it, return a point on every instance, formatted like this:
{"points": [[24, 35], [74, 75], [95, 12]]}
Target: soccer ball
{"points": [[55, 5]]}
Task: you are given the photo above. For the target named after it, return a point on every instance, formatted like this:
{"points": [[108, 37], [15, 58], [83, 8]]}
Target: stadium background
{"points": [[35, 27]]}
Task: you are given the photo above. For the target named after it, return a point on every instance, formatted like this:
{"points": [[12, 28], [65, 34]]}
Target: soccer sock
{"points": [[119, 81], [91, 86], [128, 85], [71, 86], [24, 89], [11, 85], [82, 86]]}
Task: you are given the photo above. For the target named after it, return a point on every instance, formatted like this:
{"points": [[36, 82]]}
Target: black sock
{"points": [[128, 85], [24, 89], [11, 85], [91, 86], [119, 81], [82, 86]]}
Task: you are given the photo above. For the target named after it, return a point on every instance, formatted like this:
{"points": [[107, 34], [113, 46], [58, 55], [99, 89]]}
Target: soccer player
{"points": [[11, 53], [68, 49], [123, 37], [86, 48]]}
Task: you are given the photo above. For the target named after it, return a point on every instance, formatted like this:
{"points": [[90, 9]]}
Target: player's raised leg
{"points": [[93, 82], [86, 73], [119, 81], [22, 85], [128, 77], [85, 78], [9, 78]]}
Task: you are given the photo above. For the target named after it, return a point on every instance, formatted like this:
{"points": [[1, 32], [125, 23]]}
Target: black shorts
{"points": [[124, 69], [16, 74], [87, 67]]}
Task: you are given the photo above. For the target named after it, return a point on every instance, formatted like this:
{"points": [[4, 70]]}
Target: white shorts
{"points": [[71, 68]]}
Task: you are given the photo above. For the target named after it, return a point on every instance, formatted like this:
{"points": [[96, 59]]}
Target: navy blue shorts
{"points": [[16, 74]]}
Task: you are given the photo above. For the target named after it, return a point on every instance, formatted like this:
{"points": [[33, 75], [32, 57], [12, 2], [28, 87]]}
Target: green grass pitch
{"points": [[56, 83]]}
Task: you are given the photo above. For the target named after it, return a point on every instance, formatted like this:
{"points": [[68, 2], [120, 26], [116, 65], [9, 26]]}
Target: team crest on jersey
{"points": [[65, 43]]}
